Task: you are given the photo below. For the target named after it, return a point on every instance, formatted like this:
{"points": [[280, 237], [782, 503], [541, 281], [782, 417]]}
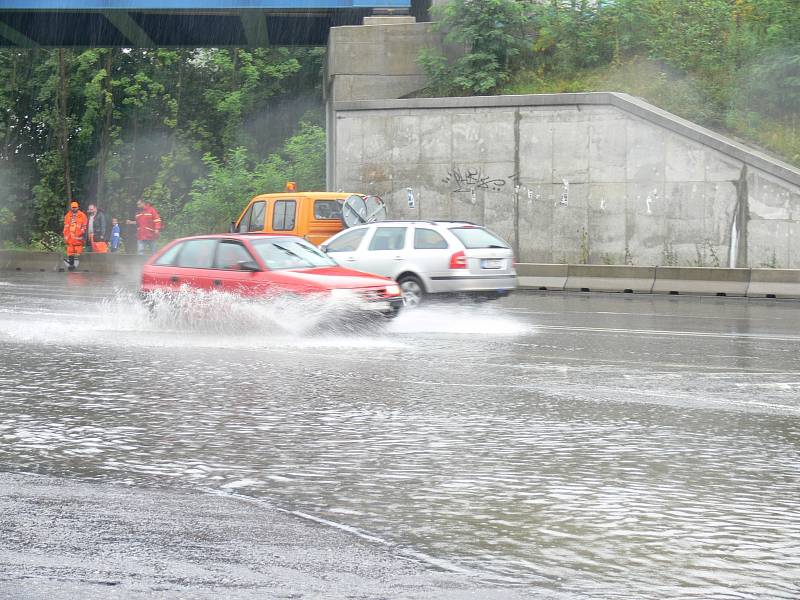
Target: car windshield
{"points": [[477, 237], [291, 254]]}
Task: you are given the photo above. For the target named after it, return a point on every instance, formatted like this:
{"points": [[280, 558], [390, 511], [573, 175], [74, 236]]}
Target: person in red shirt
{"points": [[75, 222], [148, 227]]}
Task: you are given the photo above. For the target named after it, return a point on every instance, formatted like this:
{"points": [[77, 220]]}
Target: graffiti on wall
{"points": [[471, 179]]}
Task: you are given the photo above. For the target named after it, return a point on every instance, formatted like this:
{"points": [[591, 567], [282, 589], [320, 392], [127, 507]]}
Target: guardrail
{"points": [[704, 281]]}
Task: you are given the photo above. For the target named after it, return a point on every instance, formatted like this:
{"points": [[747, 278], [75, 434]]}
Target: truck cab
{"points": [[314, 216]]}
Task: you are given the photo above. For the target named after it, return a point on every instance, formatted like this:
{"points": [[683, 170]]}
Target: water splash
{"points": [[190, 310], [196, 318], [451, 318]]}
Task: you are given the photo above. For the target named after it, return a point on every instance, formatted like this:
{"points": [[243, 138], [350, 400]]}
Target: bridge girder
{"points": [[188, 23]]}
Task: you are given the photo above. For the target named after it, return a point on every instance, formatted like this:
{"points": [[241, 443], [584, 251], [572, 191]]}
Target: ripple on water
{"points": [[532, 471]]}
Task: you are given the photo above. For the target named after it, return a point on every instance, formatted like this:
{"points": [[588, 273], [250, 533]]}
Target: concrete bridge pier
{"points": [[377, 60]]}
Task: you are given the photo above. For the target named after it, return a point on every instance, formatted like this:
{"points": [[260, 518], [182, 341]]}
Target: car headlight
{"points": [[341, 293], [393, 290]]}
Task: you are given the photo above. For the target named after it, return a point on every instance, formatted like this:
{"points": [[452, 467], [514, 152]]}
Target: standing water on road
{"points": [[577, 446]]}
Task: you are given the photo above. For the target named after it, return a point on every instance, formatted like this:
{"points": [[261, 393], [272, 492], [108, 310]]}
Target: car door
{"points": [[193, 266], [161, 275], [229, 273], [384, 251], [344, 248], [429, 253]]}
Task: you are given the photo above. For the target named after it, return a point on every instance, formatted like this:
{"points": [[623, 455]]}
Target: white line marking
{"points": [[747, 336]]}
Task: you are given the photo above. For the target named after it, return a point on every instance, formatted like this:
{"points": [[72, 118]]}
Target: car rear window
{"points": [[291, 254], [477, 237], [428, 239]]}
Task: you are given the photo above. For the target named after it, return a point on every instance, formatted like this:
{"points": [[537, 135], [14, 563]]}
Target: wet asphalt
{"points": [[545, 446], [67, 539]]}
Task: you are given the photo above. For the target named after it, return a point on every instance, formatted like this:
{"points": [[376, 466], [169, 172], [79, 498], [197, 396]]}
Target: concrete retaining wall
{"points": [[774, 283], [542, 277], [111, 263], [610, 278], [753, 283], [699, 280], [568, 178]]}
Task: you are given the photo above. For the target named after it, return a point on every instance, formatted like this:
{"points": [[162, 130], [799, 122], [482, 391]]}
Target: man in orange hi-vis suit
{"points": [[75, 222]]}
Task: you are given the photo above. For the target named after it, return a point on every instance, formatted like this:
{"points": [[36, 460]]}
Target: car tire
{"points": [[412, 291]]}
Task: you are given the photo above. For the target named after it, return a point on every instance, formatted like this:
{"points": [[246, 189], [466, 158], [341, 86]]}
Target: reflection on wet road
{"points": [[584, 445]]}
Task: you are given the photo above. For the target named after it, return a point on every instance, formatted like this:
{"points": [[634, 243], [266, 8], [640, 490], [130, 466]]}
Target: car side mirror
{"points": [[324, 248], [248, 265]]}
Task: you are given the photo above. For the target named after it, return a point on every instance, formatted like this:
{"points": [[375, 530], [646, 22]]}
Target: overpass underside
{"points": [[190, 23]]}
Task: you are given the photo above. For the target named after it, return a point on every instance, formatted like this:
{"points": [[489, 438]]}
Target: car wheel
{"points": [[391, 314], [412, 291]]}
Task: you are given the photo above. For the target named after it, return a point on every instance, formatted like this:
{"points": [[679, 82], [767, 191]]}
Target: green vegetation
{"points": [[197, 132], [731, 65], [224, 191]]}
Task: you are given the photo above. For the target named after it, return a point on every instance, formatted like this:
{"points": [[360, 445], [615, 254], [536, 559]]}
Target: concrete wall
{"points": [[375, 60], [571, 178], [129, 266]]}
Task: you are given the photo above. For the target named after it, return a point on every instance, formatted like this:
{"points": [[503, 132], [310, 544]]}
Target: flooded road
{"points": [[574, 446]]}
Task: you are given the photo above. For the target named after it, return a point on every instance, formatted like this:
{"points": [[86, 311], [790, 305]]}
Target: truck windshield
{"points": [[291, 254]]}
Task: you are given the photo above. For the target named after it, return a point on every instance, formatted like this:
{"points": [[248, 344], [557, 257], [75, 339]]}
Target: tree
{"points": [[493, 33], [220, 196]]}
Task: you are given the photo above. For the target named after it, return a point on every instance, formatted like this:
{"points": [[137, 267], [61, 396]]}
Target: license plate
{"points": [[492, 263]]}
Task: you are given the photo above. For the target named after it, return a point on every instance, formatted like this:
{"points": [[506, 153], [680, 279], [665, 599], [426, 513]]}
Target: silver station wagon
{"points": [[429, 257]]}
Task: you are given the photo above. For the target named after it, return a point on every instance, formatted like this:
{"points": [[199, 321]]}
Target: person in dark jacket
{"points": [[97, 229]]}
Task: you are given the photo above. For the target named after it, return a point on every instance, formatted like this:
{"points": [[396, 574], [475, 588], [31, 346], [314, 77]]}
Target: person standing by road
{"points": [[148, 227], [115, 235], [97, 230], [75, 223]]}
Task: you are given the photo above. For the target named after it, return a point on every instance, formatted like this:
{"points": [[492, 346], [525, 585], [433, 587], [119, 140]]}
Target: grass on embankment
{"points": [[676, 93]]}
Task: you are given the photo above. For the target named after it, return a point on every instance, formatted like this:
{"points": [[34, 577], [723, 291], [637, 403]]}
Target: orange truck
{"points": [[314, 216]]}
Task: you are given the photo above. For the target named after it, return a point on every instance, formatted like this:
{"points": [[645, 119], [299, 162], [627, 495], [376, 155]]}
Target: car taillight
{"points": [[458, 260]]}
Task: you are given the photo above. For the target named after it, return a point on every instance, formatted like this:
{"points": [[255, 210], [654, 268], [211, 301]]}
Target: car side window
{"points": [[388, 238], [230, 254], [428, 239], [244, 223], [257, 217], [283, 213], [347, 242], [197, 254], [327, 210], [168, 258]]}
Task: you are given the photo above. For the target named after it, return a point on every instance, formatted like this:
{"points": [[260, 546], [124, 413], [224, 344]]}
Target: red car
{"points": [[265, 265]]}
